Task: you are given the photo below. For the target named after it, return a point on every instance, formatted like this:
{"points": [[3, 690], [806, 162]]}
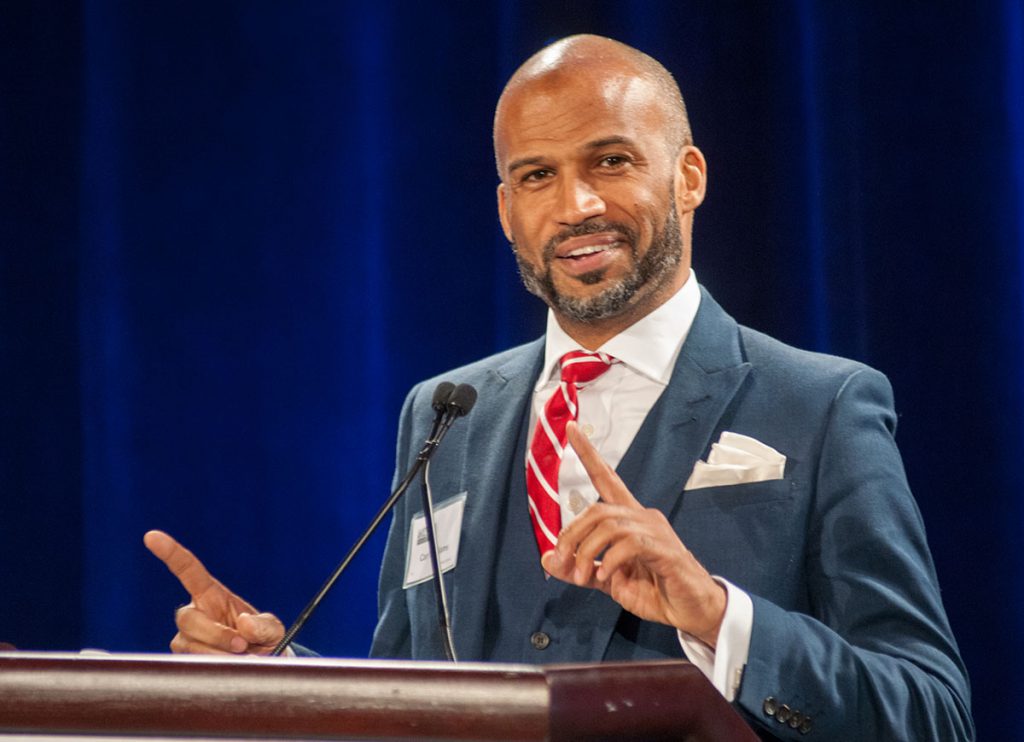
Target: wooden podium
{"points": [[124, 696]]}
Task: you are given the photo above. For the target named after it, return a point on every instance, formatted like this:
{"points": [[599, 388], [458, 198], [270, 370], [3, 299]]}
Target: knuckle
{"points": [[259, 630], [182, 613], [639, 541]]}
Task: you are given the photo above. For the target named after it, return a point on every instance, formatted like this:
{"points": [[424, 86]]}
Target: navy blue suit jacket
{"points": [[848, 624]]}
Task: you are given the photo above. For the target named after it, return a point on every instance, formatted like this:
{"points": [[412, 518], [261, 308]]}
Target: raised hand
{"points": [[216, 621], [645, 568]]}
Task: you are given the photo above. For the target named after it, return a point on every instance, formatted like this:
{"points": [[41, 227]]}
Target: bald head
{"points": [[599, 182], [587, 59]]}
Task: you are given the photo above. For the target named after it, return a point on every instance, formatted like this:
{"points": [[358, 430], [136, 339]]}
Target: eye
{"points": [[535, 176], [613, 162]]}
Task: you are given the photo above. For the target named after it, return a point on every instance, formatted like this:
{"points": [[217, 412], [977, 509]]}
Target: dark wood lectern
{"points": [[148, 695]]}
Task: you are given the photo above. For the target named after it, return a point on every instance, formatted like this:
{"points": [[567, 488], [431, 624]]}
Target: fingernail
{"points": [[238, 644], [577, 576]]}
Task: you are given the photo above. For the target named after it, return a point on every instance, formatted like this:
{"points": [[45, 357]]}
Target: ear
{"points": [[503, 211], [691, 179]]}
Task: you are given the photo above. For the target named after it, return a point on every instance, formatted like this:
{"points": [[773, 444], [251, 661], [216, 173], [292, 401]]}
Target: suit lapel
{"points": [[678, 429], [493, 435]]}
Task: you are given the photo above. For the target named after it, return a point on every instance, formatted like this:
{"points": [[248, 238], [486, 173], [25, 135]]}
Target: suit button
{"points": [[805, 725], [784, 713], [540, 640], [795, 720], [770, 706]]}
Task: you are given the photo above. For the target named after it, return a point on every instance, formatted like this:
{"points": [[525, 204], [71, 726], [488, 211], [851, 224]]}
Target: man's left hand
{"points": [[645, 568]]}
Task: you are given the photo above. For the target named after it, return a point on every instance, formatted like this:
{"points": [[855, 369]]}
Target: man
{"points": [[650, 479]]}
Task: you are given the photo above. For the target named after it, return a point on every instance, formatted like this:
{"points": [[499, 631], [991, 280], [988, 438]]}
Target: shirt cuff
{"points": [[723, 666]]}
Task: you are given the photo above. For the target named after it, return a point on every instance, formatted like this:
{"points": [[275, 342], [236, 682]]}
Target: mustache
{"points": [[586, 228]]}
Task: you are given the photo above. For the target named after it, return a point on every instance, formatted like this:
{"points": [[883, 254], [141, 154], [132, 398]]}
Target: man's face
{"points": [[587, 195]]}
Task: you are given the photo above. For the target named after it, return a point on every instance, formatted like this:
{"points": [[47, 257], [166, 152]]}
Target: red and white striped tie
{"points": [[549, 437]]}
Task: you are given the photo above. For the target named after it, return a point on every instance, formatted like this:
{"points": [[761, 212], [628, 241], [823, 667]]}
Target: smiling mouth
{"points": [[590, 261], [589, 250]]}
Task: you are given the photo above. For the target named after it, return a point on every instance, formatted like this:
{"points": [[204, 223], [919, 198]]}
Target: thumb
{"points": [[554, 566]]}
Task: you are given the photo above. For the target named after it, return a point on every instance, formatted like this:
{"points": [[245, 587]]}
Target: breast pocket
{"points": [[734, 496]]}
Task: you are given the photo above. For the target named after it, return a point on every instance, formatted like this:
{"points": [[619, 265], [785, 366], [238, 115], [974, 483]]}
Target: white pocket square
{"points": [[737, 459]]}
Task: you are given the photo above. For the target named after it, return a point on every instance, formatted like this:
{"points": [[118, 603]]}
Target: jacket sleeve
{"points": [[876, 658]]}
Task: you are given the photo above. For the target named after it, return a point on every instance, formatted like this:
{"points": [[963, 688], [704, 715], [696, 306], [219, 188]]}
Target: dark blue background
{"points": [[233, 234]]}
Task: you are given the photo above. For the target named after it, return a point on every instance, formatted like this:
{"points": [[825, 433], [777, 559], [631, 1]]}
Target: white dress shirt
{"points": [[611, 410]]}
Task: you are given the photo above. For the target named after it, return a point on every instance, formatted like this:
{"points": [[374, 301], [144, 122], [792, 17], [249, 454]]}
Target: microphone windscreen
{"points": [[462, 400], [442, 394]]}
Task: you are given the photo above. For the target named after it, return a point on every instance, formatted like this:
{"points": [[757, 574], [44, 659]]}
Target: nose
{"points": [[578, 201]]}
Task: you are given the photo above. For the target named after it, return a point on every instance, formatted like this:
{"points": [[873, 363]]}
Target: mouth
{"points": [[586, 244], [588, 250], [588, 253]]}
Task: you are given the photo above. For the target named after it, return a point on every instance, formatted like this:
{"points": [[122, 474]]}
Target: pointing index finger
{"points": [[182, 563], [605, 480]]}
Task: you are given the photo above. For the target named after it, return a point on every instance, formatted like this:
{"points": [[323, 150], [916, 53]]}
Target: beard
{"points": [[652, 272]]}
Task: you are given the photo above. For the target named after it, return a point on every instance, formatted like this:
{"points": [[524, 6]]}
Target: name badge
{"points": [[447, 530]]}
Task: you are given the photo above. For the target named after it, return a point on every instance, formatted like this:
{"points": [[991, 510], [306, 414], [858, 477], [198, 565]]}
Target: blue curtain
{"points": [[233, 234]]}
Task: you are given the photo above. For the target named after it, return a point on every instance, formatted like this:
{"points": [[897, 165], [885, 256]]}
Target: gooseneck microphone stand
{"points": [[449, 403]]}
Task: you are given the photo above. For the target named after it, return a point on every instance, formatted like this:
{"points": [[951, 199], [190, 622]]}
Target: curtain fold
{"points": [[235, 234]]}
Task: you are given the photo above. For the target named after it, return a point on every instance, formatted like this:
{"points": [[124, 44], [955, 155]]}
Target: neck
{"points": [[592, 335]]}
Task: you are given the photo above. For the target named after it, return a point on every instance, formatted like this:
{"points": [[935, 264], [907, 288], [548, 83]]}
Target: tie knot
{"points": [[579, 367]]}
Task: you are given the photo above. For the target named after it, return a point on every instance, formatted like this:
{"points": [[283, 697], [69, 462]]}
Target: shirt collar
{"points": [[649, 346]]}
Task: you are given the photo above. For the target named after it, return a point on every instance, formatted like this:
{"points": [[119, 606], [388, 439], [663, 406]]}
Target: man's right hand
{"points": [[216, 621]]}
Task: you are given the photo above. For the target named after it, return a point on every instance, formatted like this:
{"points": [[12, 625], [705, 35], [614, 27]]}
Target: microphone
{"points": [[442, 396], [461, 401], [448, 403]]}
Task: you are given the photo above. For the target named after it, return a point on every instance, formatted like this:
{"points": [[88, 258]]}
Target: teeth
{"points": [[588, 250]]}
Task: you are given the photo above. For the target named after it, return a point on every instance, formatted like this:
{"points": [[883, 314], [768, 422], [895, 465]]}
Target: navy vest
{"points": [[536, 620]]}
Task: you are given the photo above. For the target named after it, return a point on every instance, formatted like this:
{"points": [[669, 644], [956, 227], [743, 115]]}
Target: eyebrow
{"points": [[523, 162], [596, 144], [607, 141]]}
